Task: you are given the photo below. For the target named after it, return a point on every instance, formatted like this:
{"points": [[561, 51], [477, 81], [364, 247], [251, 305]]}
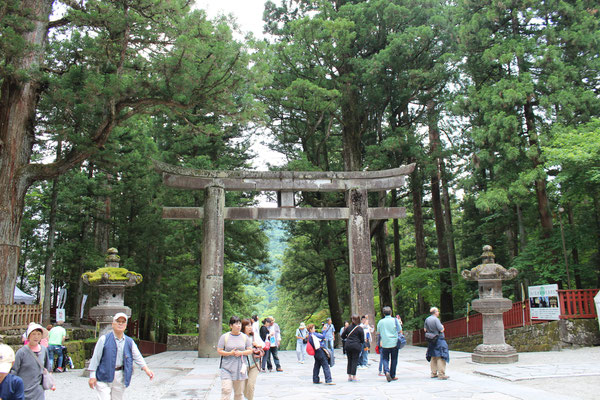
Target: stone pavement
{"points": [[550, 375]]}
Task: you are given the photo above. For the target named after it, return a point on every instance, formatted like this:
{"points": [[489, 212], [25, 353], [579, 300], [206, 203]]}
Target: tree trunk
{"points": [[449, 234], [382, 261], [574, 251], [416, 187], [50, 248], [446, 301], [522, 234], [510, 234], [397, 260], [19, 95], [335, 309]]}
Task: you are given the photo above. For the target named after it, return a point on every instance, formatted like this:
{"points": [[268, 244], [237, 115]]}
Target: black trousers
{"points": [[353, 356]]}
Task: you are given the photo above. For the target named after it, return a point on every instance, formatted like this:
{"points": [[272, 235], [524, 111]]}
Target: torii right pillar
{"points": [[491, 304], [359, 249]]}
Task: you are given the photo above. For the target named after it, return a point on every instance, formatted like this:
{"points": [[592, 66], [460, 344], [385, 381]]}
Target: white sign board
{"points": [[543, 302], [60, 314]]}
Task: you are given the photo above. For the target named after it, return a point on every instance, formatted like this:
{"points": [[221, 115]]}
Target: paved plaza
{"points": [[180, 375]]}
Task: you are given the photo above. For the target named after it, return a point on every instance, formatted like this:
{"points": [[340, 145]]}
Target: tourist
{"points": [[388, 331], [317, 341], [56, 339], [275, 338], [111, 365], [11, 386], [354, 337], [253, 360], [264, 336], [329, 332], [301, 340], [233, 346], [437, 348], [363, 361], [30, 361], [256, 331], [346, 325]]}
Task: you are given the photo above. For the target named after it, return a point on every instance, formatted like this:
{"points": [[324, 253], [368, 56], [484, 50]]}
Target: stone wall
{"points": [[182, 343], [550, 336]]}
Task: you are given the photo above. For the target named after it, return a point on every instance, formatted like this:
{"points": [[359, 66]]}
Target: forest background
{"points": [[497, 102]]}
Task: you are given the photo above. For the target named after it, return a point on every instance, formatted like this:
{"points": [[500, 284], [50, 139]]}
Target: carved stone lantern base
{"points": [[495, 354]]}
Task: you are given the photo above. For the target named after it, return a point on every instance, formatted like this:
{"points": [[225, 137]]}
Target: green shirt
{"points": [[388, 332], [56, 335]]}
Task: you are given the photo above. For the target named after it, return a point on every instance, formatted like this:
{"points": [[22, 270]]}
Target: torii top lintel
{"points": [[313, 181]]}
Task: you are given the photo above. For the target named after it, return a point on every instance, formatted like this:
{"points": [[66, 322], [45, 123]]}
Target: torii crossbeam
{"points": [[355, 184]]}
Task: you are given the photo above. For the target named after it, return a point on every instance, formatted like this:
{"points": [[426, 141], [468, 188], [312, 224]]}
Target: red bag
{"points": [[267, 345], [310, 350], [377, 349]]}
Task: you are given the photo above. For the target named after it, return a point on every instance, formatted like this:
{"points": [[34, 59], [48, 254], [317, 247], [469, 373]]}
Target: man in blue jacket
{"points": [[111, 365], [329, 333]]}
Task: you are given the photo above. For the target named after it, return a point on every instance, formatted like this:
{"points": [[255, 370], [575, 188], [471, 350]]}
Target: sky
{"points": [[248, 13]]}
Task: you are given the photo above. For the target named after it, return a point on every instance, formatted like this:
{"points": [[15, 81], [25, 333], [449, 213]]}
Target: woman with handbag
{"points": [[317, 342], [354, 335], [32, 364], [233, 347], [301, 340], [265, 336], [253, 360]]}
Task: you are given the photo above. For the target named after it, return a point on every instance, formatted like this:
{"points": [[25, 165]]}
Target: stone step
{"points": [[13, 340]]}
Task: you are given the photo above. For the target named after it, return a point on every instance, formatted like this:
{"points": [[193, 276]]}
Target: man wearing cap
{"points": [[11, 386], [111, 365]]}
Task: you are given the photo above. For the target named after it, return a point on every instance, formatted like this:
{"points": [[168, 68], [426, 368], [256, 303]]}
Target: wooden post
{"points": [[211, 278], [359, 248]]}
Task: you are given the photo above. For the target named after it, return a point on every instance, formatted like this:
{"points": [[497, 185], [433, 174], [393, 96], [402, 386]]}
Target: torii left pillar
{"points": [[211, 279]]}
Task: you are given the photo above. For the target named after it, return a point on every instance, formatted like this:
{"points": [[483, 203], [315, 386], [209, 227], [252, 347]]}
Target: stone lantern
{"points": [[111, 281], [492, 305]]}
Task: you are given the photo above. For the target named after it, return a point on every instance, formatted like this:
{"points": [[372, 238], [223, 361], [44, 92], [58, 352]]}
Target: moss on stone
{"points": [[115, 274]]}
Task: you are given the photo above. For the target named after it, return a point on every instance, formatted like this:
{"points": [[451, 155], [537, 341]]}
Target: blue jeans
{"points": [[55, 348], [321, 361], [363, 359], [386, 354], [329, 345]]}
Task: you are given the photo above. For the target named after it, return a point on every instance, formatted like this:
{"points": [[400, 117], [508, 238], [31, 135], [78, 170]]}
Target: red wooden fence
{"points": [[148, 348], [573, 303]]}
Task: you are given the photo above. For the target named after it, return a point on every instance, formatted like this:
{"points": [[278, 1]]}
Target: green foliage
{"points": [[114, 274]]}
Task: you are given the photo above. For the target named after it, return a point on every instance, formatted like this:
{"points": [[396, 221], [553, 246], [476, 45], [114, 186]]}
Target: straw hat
{"points": [[302, 325]]}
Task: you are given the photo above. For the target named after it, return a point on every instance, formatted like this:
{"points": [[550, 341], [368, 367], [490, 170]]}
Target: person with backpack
{"points": [[354, 336], [234, 347], [301, 340], [316, 344]]}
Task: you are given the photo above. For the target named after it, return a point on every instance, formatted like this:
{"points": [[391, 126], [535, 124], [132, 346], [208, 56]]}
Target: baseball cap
{"points": [[7, 357], [120, 315]]}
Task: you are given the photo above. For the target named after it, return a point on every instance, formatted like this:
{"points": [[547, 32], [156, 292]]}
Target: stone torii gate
{"points": [[355, 184]]}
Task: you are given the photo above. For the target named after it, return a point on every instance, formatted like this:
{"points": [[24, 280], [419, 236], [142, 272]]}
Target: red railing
{"points": [[577, 303], [148, 348], [574, 304]]}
